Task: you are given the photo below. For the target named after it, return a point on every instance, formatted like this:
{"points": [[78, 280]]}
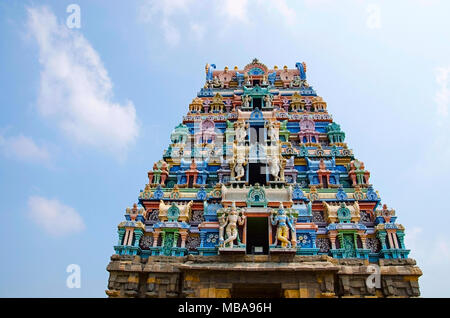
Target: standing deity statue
{"points": [[239, 171], [284, 224], [272, 131], [241, 131], [233, 219], [275, 161], [246, 80], [274, 167], [268, 100], [264, 80], [246, 101], [238, 161]]}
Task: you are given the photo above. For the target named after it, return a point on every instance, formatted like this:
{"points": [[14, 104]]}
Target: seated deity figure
{"points": [[284, 224], [232, 221], [216, 83], [296, 82]]}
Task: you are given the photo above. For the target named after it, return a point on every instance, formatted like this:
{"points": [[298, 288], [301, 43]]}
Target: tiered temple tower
{"points": [[259, 195]]}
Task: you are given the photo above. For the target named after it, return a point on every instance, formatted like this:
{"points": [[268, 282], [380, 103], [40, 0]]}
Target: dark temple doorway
{"points": [[257, 102], [257, 173], [257, 236], [243, 290]]}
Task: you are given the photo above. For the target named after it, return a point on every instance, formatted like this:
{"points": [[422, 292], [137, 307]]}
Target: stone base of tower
{"points": [[285, 276]]}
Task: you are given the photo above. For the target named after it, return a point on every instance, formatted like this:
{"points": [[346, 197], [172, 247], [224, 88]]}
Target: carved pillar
{"points": [[202, 238], [393, 239], [150, 177], [163, 179], [121, 232], [391, 242], [401, 237], [313, 239], [175, 239], [155, 237], [137, 234], [363, 238], [183, 238], [382, 237], [332, 236]]}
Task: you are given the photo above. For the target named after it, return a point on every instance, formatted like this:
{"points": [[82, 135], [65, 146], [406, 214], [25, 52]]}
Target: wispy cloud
{"points": [[442, 97], [176, 18], [234, 9], [162, 11], [373, 16], [198, 31], [54, 217], [287, 13], [23, 148], [75, 89]]}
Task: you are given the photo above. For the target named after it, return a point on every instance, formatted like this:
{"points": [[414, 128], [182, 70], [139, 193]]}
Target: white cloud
{"points": [[234, 9], [313, 3], [287, 13], [75, 89], [23, 148], [176, 17], [198, 31], [442, 97], [373, 16], [164, 10], [54, 217]]}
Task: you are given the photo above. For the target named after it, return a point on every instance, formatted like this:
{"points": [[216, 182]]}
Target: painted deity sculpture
{"points": [[216, 83], [284, 225], [274, 167], [272, 131], [268, 101], [276, 162], [233, 219], [246, 101], [240, 131], [264, 80]]}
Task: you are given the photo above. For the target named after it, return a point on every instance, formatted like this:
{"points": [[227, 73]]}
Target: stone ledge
{"points": [[269, 266]]}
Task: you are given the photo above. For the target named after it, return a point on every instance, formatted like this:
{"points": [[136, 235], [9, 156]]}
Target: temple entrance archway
{"points": [[257, 235]]}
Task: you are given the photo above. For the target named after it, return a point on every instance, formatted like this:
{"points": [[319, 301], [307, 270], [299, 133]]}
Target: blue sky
{"points": [[85, 112]]}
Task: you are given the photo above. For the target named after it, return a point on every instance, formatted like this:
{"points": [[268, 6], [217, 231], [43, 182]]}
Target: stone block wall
{"points": [[288, 276]]}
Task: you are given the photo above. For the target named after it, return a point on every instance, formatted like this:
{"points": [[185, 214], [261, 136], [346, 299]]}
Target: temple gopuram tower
{"points": [[258, 195]]}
